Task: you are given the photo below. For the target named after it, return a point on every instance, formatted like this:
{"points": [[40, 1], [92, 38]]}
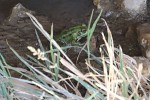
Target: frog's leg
{"points": [[81, 35]]}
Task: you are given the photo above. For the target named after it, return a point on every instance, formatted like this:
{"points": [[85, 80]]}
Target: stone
{"points": [[97, 3], [18, 12], [131, 32], [135, 7], [146, 65], [138, 65], [148, 6], [143, 32], [134, 63], [102, 4]]}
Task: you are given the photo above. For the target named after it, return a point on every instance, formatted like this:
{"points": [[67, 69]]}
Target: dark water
{"points": [[62, 12], [59, 8]]}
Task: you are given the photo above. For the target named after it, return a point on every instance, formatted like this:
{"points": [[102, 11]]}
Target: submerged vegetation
{"points": [[54, 76]]}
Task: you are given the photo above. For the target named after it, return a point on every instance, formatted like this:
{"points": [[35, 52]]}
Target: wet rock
{"points": [[143, 32]]}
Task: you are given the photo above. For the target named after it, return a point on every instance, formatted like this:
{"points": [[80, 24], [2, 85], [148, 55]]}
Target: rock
{"points": [[117, 3], [140, 67], [134, 62], [143, 32], [146, 65], [148, 6], [127, 61], [106, 5], [97, 3], [131, 32], [18, 12], [135, 7], [93, 46]]}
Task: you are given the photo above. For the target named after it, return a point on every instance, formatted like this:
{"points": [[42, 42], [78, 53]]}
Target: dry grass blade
{"points": [[74, 70], [39, 26]]}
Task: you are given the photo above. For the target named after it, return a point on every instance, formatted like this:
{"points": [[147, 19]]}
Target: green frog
{"points": [[72, 35]]}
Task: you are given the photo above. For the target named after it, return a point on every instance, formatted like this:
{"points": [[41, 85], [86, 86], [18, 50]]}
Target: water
{"points": [[62, 12]]}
